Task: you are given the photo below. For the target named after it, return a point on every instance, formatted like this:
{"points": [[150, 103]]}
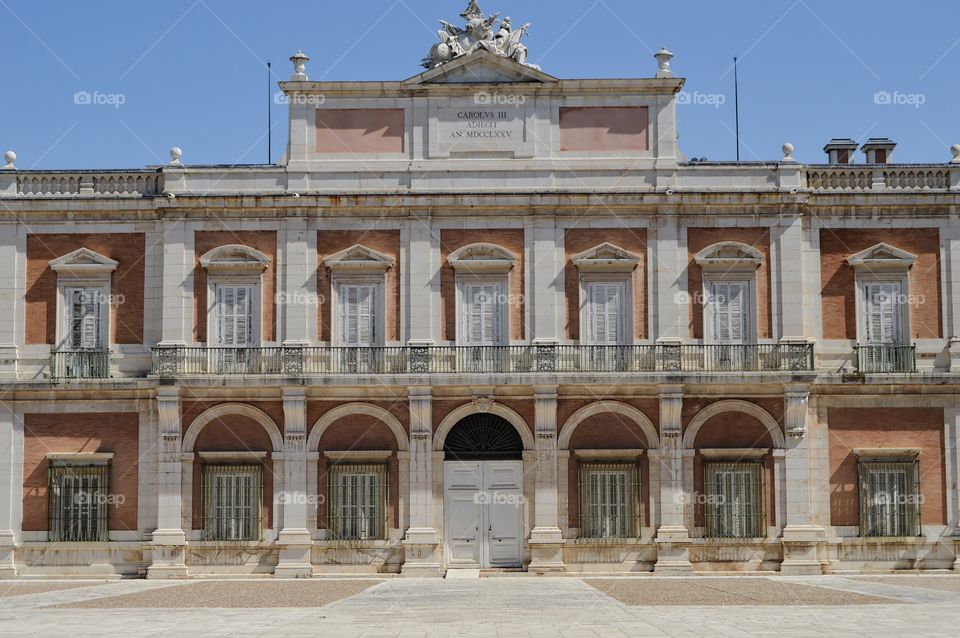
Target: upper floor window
{"points": [[882, 279], [83, 294], [606, 294], [358, 284], [730, 292], [234, 274], [483, 290]]}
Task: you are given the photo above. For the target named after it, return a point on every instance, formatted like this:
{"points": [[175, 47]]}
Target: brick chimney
{"points": [[841, 150], [879, 150]]}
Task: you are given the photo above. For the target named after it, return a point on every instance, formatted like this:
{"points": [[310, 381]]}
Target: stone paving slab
{"points": [[232, 594], [9, 589], [726, 591], [939, 583]]}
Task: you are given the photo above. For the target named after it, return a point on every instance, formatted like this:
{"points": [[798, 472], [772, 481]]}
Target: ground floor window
{"points": [[608, 500], [78, 507], [357, 501], [889, 498], [733, 503], [231, 502]]}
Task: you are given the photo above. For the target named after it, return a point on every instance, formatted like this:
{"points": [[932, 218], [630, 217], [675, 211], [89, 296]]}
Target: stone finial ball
{"points": [[176, 153], [955, 150], [787, 149], [10, 157]]}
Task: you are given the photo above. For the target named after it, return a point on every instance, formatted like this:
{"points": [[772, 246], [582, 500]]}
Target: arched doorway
{"points": [[483, 493]]}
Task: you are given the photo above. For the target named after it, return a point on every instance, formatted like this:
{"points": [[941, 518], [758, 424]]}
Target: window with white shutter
{"points": [[606, 313], [358, 315], [728, 311], [482, 311], [235, 315], [882, 312], [83, 318]]}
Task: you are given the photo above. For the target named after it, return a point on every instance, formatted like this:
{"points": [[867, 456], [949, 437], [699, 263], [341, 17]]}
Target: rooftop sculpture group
{"points": [[477, 34]]}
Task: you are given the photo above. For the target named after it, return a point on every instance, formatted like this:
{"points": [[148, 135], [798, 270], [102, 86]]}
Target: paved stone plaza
{"points": [[507, 606]]}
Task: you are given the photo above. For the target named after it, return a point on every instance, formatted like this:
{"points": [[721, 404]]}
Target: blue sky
{"points": [[191, 73]]}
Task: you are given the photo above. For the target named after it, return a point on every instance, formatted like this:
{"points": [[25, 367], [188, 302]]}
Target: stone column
{"points": [[169, 539], [800, 536], [952, 459], [11, 488], [673, 537], [421, 544], [294, 539], [546, 539]]}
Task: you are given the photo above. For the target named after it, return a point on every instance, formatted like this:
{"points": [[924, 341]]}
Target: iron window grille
{"points": [[889, 498], [733, 507], [357, 501], [231, 497], [79, 502], [609, 494]]}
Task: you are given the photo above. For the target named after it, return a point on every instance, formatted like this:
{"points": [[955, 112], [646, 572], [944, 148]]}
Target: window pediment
{"points": [[729, 255], [482, 258], [83, 261], [882, 257], [234, 258], [606, 257], [359, 258]]}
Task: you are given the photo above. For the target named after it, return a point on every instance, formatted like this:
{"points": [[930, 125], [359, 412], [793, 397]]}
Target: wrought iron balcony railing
{"points": [[296, 361], [890, 359], [80, 364]]}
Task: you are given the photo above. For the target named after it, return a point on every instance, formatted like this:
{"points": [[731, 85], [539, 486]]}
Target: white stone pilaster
{"points": [[421, 543], [668, 290], [422, 296], [800, 535], [546, 281], [297, 297], [790, 307], [11, 488], [294, 538], [546, 539], [169, 539], [177, 305], [951, 275], [11, 299], [673, 536]]}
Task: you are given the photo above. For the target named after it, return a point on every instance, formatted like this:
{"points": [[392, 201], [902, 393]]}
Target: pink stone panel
{"points": [[604, 128], [360, 130]]}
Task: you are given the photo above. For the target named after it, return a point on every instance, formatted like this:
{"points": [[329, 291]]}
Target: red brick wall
{"points": [[126, 283], [399, 409], [838, 278], [509, 239], [330, 242], [566, 408], [700, 238], [578, 240], [265, 242], [885, 427], [190, 410], [116, 432]]}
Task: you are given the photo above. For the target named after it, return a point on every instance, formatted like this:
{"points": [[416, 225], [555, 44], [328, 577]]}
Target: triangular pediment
{"points": [[83, 260], [727, 254], [606, 256], [359, 257], [481, 67], [235, 257], [882, 255]]}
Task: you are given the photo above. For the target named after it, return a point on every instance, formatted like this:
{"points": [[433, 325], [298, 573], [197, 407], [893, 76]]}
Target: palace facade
{"points": [[482, 318]]}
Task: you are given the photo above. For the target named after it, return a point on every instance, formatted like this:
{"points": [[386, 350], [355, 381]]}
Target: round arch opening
{"points": [[483, 437]]}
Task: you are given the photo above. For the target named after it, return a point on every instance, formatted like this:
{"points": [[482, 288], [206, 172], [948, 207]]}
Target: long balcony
{"points": [[443, 360], [887, 359], [79, 364]]}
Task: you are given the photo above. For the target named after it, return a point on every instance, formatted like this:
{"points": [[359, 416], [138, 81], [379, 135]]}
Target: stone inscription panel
{"points": [[473, 129]]}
